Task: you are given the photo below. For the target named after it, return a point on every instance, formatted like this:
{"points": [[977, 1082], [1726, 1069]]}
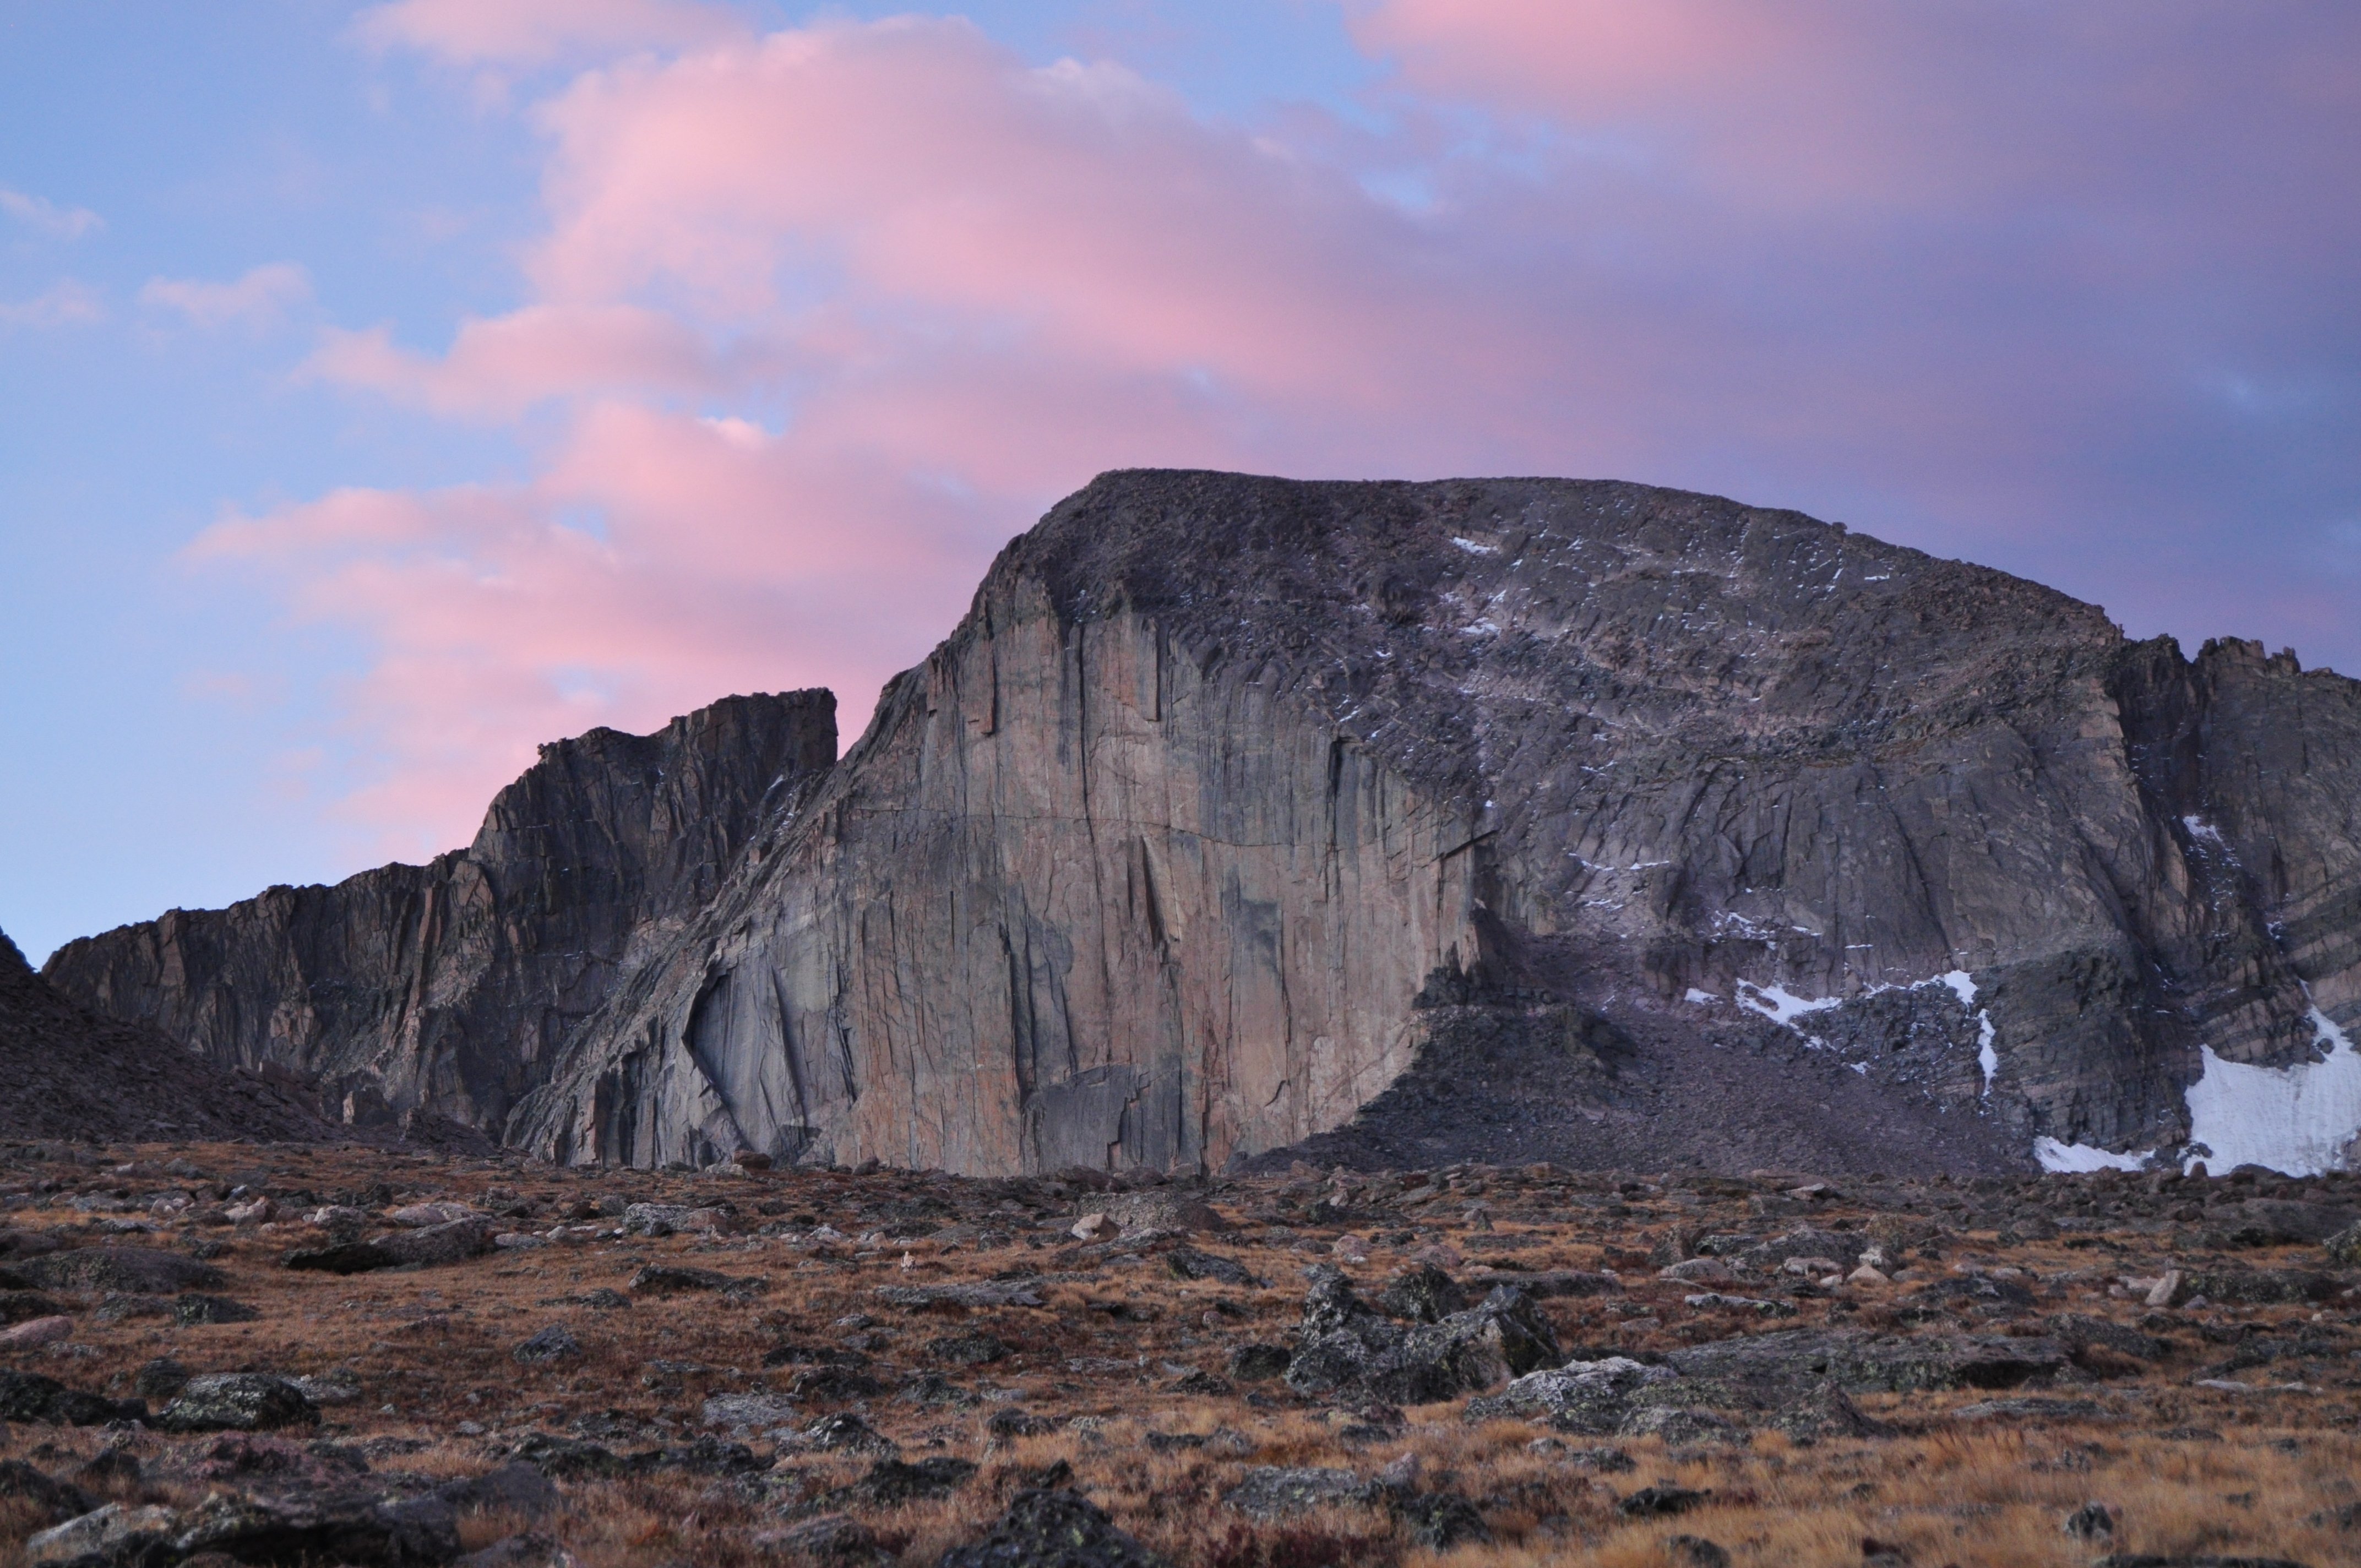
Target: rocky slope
{"points": [[446, 987], [66, 1073], [1519, 819]]}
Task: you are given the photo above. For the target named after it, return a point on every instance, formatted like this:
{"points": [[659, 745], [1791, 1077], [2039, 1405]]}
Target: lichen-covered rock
{"points": [[1268, 1492], [237, 1401], [110, 1537], [454, 1240], [1344, 1347], [1051, 1528], [1593, 1397], [145, 1270], [1780, 1366]]}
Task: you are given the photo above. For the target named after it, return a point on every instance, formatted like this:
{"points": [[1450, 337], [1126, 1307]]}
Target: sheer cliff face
{"points": [[448, 986], [1728, 816], [1502, 819], [1076, 900]]}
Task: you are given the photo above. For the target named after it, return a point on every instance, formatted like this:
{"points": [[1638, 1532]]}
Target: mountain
{"points": [[70, 1074], [1247, 819], [446, 987]]}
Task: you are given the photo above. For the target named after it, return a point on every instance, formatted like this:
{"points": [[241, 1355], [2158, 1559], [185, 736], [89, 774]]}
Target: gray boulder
{"points": [[1269, 1492], [554, 1344], [1052, 1529], [137, 1270], [237, 1401], [29, 1396], [1344, 1347], [1594, 1397], [456, 1241], [107, 1536], [1775, 1368]]}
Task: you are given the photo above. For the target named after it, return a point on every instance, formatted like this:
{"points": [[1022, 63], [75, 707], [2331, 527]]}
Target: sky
{"points": [[385, 389]]}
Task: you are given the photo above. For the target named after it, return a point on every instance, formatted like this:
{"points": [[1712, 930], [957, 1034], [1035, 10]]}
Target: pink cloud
{"points": [[67, 303], [260, 296], [819, 319], [47, 218], [500, 367], [530, 32]]}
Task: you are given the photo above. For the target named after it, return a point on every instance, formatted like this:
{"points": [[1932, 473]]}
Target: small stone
{"points": [[2091, 1522], [191, 1309], [554, 1344], [1695, 1552], [1258, 1363], [1660, 1501]]}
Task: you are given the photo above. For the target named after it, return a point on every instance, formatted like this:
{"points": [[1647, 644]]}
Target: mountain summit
{"points": [[1507, 819]]}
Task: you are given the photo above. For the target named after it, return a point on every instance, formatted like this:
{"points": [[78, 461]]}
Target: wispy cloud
{"points": [[258, 297], [46, 218], [67, 303]]}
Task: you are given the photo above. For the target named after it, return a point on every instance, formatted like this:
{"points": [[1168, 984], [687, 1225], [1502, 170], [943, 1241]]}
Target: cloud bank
{"points": [[818, 319]]}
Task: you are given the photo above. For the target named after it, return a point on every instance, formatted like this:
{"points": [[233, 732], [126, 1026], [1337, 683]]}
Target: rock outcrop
{"points": [[446, 987], [66, 1072], [1510, 819]]}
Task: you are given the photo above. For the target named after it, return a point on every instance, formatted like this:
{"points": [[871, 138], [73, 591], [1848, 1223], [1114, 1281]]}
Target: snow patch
{"points": [[2076, 1159], [1781, 1006], [1473, 548], [2300, 1119], [1696, 995]]}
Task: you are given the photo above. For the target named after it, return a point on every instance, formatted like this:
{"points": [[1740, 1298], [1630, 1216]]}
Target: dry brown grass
{"points": [[430, 1350]]}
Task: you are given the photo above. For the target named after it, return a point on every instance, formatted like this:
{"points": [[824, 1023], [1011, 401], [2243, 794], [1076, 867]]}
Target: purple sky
{"points": [[384, 389]]}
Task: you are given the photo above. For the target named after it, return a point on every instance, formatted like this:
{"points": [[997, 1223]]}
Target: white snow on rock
{"points": [[2075, 1159], [1781, 1006], [1696, 995], [2300, 1120]]}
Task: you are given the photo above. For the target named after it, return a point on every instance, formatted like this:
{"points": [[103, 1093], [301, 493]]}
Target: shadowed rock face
{"points": [[1506, 819], [446, 987]]}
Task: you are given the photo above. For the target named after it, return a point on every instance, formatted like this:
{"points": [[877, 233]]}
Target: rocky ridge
{"points": [[69, 1073], [445, 990], [1527, 818]]}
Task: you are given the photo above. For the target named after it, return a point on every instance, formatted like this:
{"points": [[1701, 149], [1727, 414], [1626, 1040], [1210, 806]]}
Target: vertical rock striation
{"points": [[447, 987]]}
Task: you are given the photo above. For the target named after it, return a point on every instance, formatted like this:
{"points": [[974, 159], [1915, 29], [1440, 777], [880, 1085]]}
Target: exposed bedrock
{"points": [[447, 987], [1495, 818]]}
